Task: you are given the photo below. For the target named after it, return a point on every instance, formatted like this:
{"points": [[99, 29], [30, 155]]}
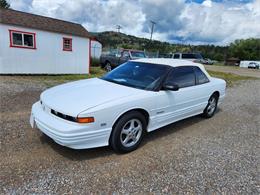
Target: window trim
{"points": [[66, 49], [196, 78], [11, 31]]}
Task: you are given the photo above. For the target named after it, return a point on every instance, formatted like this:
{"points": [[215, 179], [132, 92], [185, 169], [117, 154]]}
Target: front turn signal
{"points": [[85, 119]]}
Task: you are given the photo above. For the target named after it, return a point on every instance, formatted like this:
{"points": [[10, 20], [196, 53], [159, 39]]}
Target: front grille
{"points": [[63, 116]]}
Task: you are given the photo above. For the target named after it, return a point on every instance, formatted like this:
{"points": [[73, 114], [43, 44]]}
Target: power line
{"points": [[153, 23]]}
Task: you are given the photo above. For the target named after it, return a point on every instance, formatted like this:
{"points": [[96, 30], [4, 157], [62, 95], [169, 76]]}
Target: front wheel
{"points": [[128, 132], [211, 107]]}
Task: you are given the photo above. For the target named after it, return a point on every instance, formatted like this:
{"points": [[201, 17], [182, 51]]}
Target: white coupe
{"points": [[137, 97]]}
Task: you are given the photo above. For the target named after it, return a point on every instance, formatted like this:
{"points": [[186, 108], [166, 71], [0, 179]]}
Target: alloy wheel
{"points": [[131, 132]]}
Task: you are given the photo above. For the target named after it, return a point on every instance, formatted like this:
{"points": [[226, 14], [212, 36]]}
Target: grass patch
{"points": [[51, 80], [94, 72], [230, 78]]}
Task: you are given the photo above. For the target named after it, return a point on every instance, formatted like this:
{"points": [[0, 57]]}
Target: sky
{"points": [[217, 22]]}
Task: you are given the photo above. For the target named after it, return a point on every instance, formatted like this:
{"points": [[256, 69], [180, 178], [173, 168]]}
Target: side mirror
{"points": [[171, 87]]}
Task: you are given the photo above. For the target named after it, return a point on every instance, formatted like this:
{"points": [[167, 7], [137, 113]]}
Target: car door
{"points": [[185, 102], [124, 58]]}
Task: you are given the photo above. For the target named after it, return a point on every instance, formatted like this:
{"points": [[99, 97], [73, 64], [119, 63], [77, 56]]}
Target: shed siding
{"points": [[47, 58]]}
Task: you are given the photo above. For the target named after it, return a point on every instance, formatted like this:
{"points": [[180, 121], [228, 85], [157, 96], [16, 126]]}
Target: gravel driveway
{"points": [[196, 155], [235, 70]]}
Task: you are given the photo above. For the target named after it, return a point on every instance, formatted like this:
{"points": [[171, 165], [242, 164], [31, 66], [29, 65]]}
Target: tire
{"points": [[211, 107], [108, 67], [128, 132]]}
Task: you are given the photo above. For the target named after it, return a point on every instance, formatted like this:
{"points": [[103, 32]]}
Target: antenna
{"points": [[153, 23]]}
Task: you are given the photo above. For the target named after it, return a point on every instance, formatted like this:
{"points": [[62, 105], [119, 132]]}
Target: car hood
{"points": [[75, 97]]}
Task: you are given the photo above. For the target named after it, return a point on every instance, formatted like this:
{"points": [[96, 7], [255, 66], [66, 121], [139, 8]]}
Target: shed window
{"points": [[22, 39], [67, 44]]}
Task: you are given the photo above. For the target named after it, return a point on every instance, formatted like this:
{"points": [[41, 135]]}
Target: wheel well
{"points": [[216, 93], [142, 111]]}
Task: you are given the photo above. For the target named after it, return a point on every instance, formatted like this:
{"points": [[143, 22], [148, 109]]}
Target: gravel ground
{"points": [[196, 155]]}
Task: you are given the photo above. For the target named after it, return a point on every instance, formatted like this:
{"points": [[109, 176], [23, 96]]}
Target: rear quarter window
{"points": [[201, 78]]}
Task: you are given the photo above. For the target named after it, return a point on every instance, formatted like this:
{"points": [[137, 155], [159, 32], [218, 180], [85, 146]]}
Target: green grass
{"points": [[94, 72], [230, 78], [52, 80], [219, 64]]}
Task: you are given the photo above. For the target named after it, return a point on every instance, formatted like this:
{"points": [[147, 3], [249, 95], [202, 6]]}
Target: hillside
{"points": [[113, 40]]}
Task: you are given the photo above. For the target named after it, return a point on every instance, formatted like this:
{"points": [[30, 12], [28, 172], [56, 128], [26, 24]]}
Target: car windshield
{"points": [[137, 54], [138, 75]]}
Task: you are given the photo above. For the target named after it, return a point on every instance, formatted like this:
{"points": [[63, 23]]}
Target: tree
{"points": [[4, 4], [245, 49]]}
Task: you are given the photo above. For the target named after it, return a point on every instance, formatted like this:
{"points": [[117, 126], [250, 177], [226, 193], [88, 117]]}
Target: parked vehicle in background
{"points": [[194, 57], [208, 61], [250, 64], [253, 65], [112, 60]]}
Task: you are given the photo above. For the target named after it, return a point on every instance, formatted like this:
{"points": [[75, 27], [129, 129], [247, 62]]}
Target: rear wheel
{"points": [[211, 107], [128, 132]]}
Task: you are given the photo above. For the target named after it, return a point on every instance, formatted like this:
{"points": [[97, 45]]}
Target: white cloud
{"points": [[221, 24], [176, 21], [207, 3], [22, 5]]}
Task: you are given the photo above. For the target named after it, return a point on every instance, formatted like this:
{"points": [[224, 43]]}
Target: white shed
{"points": [[96, 48], [33, 44], [244, 64]]}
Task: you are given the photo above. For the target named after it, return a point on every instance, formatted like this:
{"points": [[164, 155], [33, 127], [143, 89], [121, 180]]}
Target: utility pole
{"points": [[118, 27], [153, 23]]}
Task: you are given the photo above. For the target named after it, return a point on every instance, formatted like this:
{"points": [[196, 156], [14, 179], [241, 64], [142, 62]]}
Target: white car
{"points": [[137, 97], [253, 65]]}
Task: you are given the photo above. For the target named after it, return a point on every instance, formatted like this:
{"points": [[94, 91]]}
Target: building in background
{"points": [[33, 44], [96, 48]]}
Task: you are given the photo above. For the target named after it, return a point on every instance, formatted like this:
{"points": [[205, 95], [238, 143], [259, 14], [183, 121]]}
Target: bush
{"points": [[95, 62]]}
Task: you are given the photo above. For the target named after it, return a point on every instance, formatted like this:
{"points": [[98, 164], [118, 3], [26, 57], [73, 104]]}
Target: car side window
{"points": [[182, 76], [125, 54], [201, 78], [176, 56]]}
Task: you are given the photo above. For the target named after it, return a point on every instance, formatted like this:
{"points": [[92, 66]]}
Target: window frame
{"points": [[11, 31], [63, 41], [196, 78]]}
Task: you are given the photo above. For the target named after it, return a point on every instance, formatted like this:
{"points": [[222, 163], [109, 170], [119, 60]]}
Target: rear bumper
{"points": [[66, 133]]}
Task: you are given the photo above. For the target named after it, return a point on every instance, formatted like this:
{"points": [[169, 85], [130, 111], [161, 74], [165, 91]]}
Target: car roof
{"points": [[172, 62], [168, 62]]}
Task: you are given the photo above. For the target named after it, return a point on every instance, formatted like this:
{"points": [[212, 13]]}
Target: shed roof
{"points": [[13, 17]]}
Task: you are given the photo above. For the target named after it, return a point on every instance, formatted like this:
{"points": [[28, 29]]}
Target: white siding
{"points": [[47, 58], [96, 49]]}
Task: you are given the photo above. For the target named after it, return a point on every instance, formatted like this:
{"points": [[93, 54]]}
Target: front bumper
{"points": [[66, 133]]}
